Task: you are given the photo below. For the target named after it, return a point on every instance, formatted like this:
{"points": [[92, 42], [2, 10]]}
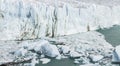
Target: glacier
{"points": [[32, 19]]}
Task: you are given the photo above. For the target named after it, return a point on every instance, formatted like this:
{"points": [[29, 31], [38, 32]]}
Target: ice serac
{"points": [[30, 19], [117, 51]]}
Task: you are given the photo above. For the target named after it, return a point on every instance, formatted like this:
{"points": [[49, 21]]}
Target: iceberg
{"points": [[50, 50], [117, 51]]}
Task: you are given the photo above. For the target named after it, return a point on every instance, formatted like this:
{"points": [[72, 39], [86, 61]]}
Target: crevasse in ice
{"points": [[30, 19]]}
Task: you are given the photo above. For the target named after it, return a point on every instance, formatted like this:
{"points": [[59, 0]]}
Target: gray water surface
{"points": [[62, 62], [112, 35]]}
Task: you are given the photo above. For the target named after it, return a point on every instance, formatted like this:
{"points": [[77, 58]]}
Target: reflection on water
{"points": [[112, 35]]}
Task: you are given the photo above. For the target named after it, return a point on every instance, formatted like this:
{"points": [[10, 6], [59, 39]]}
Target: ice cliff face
{"points": [[30, 19]]}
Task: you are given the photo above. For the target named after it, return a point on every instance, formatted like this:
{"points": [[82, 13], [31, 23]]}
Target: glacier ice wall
{"points": [[30, 19]]}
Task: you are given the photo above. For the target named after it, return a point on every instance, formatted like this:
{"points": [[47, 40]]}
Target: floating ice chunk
{"points": [[96, 58], [34, 62], [45, 60], [75, 54], [37, 47], [117, 50], [76, 62], [50, 50], [58, 57], [21, 52], [65, 49]]}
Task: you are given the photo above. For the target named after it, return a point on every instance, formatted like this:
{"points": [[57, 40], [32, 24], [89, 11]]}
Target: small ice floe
{"points": [[20, 52], [76, 62], [64, 49], [34, 61], [117, 50], [95, 58], [74, 54], [58, 57], [45, 60], [50, 50], [116, 55]]}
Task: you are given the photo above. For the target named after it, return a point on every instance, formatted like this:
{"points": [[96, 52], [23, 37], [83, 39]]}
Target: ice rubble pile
{"points": [[30, 19], [83, 50]]}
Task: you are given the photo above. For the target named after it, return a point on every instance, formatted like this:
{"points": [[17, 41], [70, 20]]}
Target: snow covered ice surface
{"points": [[5, 48], [79, 46], [30, 19]]}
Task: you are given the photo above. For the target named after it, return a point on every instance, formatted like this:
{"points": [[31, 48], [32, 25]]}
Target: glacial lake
{"points": [[112, 35], [62, 62]]}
